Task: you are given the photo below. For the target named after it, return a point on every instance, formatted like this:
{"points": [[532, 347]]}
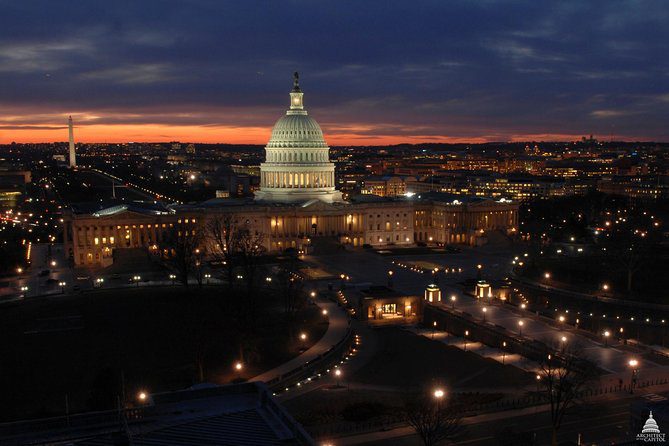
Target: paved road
{"points": [[370, 267]]}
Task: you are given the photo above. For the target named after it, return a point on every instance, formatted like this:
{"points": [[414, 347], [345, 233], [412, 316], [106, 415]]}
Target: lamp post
{"points": [[207, 276], [485, 310], [99, 281], [606, 338], [142, 397], [434, 328], [503, 352], [453, 299], [337, 373], [390, 278], [24, 290], [438, 395], [465, 339], [520, 328], [634, 364], [173, 277], [137, 279], [62, 287]]}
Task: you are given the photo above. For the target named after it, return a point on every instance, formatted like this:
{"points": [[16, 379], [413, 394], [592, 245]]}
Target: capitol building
{"points": [[296, 207]]}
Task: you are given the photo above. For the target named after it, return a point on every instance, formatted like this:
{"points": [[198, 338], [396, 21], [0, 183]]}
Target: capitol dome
{"points": [[297, 165], [293, 130]]}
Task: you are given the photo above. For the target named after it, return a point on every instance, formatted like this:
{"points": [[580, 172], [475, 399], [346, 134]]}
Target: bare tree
{"points": [[221, 235], [249, 247], [290, 284], [433, 420], [185, 250], [563, 377]]}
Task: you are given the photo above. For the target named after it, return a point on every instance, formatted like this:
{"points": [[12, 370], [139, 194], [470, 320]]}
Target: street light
{"points": [[173, 277], [561, 319], [547, 275], [606, 338], [390, 278], [503, 352], [207, 276], [633, 363], [137, 279], [453, 299], [434, 328], [62, 287], [520, 328], [99, 281], [238, 366], [605, 287], [465, 339], [485, 310], [142, 396], [24, 290], [312, 294], [338, 375]]}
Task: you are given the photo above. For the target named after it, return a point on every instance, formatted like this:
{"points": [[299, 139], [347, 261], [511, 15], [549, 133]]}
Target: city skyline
{"points": [[462, 72]]}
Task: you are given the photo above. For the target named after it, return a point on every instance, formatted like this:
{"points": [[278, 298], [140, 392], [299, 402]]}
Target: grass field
{"points": [[106, 343]]}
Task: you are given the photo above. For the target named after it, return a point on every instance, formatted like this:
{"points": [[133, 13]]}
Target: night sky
{"points": [[372, 72]]}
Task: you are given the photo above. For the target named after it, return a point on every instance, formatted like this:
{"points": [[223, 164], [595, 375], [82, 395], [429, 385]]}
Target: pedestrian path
{"points": [[338, 326]]}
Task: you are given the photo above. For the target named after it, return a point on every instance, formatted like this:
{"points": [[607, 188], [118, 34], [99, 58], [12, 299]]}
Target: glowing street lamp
{"points": [[173, 277], [547, 275], [453, 299], [62, 287], [238, 366], [605, 287], [606, 337], [142, 397], [520, 328], [137, 279], [485, 310], [207, 276], [337, 373], [561, 319], [634, 365], [465, 339], [24, 290]]}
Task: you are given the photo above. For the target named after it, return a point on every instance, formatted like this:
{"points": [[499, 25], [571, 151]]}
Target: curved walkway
{"points": [[338, 326]]}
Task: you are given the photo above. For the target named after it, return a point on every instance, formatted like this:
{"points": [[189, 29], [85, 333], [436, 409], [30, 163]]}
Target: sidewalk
{"points": [[338, 325]]}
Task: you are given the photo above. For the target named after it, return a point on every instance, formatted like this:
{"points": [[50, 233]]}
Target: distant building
{"points": [[387, 186]]}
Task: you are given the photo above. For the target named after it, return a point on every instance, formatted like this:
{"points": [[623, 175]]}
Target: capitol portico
{"points": [[297, 204]]}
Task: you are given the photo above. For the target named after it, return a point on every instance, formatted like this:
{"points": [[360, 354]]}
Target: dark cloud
{"points": [[432, 68]]}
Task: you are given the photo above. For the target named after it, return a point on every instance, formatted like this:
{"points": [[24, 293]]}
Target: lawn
{"points": [[114, 342], [407, 360]]}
